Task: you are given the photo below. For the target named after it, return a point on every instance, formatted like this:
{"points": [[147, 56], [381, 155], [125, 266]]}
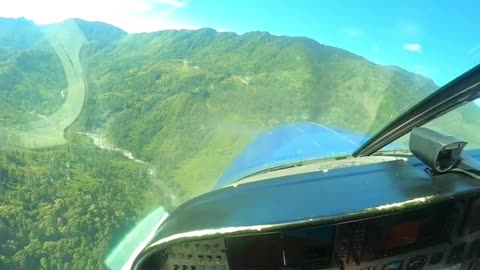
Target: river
{"points": [[101, 142]]}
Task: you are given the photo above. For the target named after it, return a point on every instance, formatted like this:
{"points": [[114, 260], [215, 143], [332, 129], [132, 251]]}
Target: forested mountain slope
{"points": [[191, 100]]}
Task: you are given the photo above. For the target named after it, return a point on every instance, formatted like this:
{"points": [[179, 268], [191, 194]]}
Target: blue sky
{"points": [[437, 38]]}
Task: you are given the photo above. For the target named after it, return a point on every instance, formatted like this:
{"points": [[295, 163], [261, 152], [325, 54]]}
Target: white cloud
{"points": [[352, 32], [413, 47], [130, 15], [221, 30]]}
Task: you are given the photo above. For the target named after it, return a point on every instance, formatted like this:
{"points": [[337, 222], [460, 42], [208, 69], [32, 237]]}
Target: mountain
{"points": [[98, 31], [31, 75], [18, 33], [185, 101], [189, 101]]}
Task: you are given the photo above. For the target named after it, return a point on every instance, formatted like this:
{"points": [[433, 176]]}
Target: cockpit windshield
{"points": [[110, 109]]}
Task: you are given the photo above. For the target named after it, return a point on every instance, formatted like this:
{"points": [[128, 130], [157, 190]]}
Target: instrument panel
{"points": [[290, 249], [445, 235]]}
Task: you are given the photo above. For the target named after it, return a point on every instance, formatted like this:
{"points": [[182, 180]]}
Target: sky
{"points": [[436, 38]]}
